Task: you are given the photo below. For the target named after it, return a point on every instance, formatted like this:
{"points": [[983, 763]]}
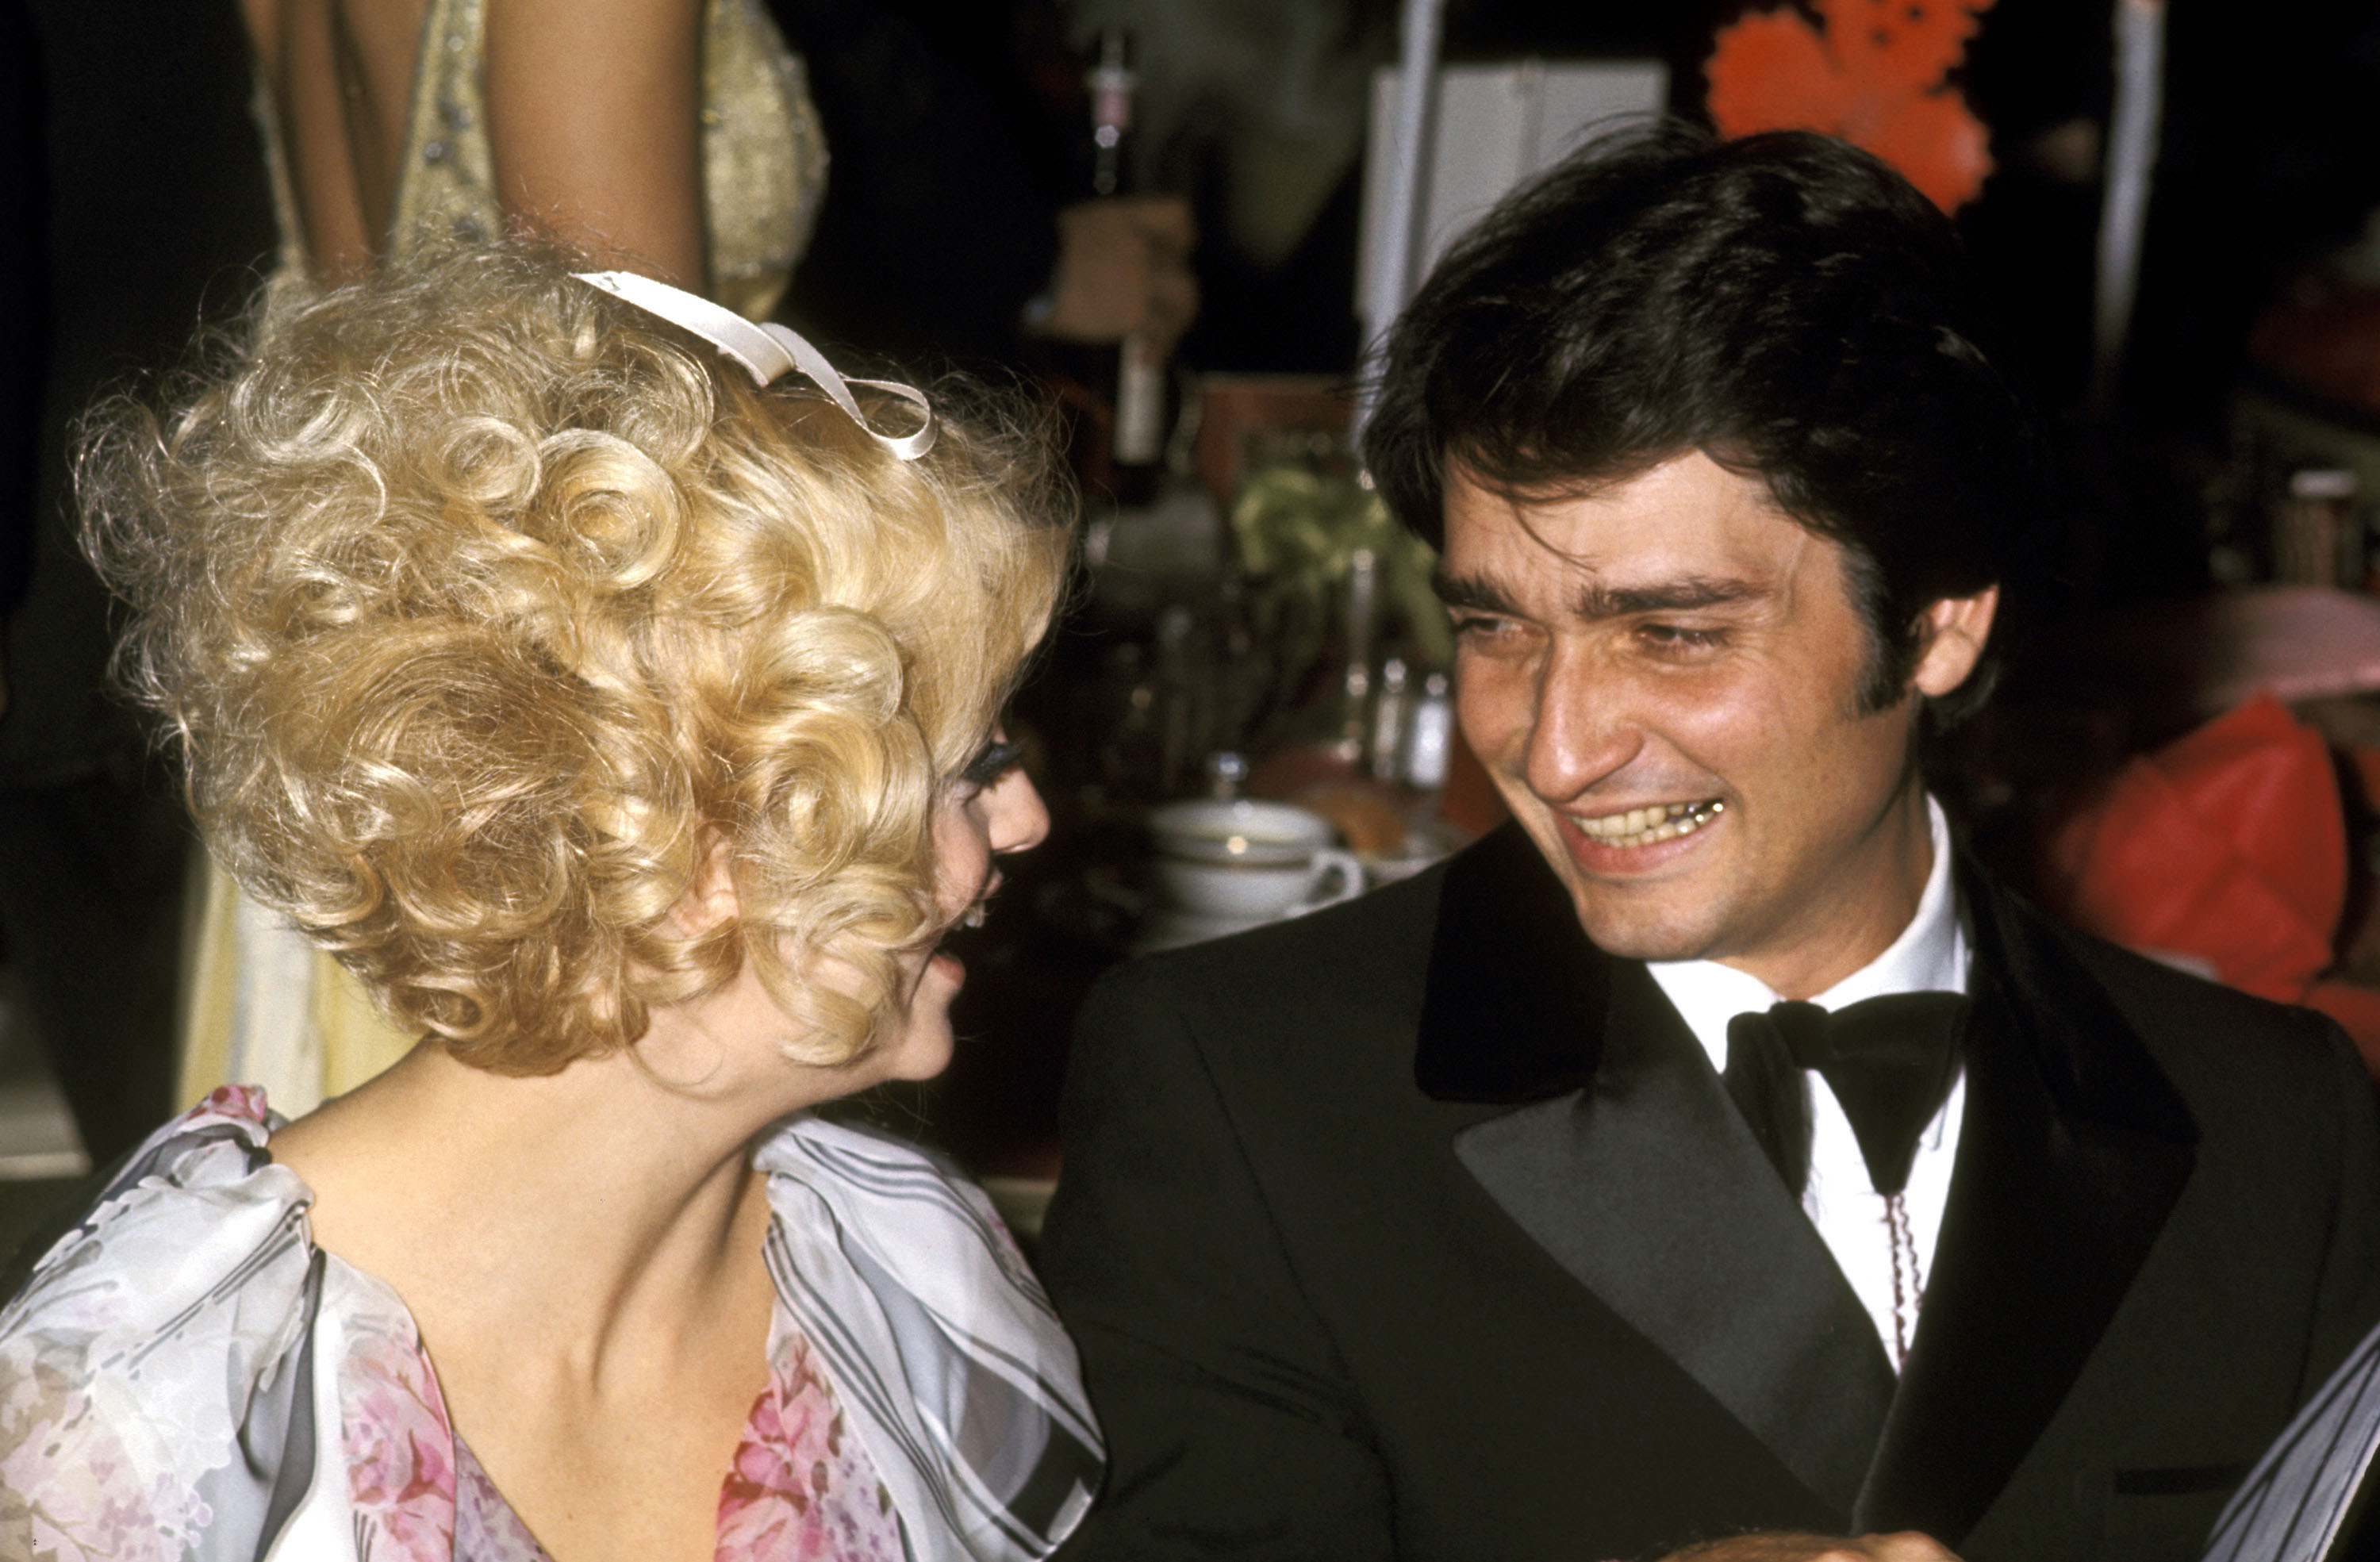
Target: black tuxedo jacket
{"points": [[1421, 1228]]}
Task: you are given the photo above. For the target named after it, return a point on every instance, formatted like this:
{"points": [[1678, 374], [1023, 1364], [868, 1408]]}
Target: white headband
{"points": [[767, 352]]}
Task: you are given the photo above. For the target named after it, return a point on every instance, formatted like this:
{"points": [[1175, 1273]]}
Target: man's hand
{"points": [[1906, 1546]]}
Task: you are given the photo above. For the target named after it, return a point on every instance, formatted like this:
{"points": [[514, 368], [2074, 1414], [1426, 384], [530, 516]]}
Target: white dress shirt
{"points": [[1931, 955]]}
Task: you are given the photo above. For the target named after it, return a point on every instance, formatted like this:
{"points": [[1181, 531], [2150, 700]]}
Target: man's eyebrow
{"points": [[1669, 596], [1468, 591], [1593, 601]]}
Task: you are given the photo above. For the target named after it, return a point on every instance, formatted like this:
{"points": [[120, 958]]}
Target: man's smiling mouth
{"points": [[1643, 827]]}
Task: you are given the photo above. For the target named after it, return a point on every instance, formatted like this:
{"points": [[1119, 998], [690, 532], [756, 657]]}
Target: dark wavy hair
{"points": [[1785, 304]]}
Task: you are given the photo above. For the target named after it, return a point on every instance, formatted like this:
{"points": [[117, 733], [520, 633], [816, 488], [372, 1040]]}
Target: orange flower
{"points": [[1874, 75]]}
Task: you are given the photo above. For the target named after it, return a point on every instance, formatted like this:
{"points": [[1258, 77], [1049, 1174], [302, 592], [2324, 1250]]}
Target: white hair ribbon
{"points": [[767, 352]]}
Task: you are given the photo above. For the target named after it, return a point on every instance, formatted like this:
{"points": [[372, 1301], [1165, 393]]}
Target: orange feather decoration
{"points": [[1876, 74]]}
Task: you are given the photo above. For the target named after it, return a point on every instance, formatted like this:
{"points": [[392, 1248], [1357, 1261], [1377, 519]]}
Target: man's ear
{"points": [[1952, 633]]}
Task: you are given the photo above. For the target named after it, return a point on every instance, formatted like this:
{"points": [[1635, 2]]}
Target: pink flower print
{"points": [[801, 1489], [762, 1505], [68, 1491], [243, 1102], [400, 1449]]}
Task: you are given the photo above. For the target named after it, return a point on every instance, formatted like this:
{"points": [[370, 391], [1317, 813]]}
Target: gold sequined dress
{"points": [[263, 1005]]}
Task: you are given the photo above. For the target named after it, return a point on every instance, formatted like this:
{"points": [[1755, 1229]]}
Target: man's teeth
{"points": [[1642, 827]]}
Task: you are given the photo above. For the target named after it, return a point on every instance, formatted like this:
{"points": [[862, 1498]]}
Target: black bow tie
{"points": [[1889, 1061]]}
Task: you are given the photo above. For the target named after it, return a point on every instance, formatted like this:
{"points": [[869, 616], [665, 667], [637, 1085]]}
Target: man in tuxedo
{"points": [[1529, 1209]]}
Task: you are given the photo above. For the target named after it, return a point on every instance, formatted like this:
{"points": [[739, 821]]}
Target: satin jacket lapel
{"points": [[1512, 1008], [1628, 1165], [2072, 1151]]}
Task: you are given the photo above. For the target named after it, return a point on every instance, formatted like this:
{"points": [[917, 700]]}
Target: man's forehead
{"points": [[1462, 470], [1687, 533]]}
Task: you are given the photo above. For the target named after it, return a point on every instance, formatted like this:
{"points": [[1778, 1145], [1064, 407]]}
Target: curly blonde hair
{"points": [[484, 606]]}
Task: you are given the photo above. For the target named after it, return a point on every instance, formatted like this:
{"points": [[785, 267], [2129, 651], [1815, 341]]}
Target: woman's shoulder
{"points": [[199, 1204], [130, 1357]]}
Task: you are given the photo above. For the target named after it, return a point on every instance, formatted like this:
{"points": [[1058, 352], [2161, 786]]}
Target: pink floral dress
{"points": [[800, 1489], [188, 1372]]}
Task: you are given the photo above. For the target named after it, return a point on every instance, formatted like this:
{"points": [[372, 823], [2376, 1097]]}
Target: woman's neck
{"points": [[596, 1206], [581, 1252]]}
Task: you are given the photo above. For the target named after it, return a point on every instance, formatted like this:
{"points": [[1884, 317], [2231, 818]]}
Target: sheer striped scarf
{"points": [[2292, 1504], [943, 1350]]}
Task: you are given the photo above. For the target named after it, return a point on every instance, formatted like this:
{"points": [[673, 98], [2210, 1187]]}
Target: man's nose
{"points": [[1585, 730], [1020, 821]]}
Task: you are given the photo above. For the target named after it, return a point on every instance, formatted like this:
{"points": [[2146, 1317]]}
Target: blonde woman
{"points": [[627, 726], [676, 135]]}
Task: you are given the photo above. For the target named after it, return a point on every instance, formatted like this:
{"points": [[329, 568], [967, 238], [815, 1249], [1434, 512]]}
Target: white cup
{"points": [[1250, 861]]}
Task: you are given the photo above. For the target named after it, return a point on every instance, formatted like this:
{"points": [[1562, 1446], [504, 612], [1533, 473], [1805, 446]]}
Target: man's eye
{"points": [[1674, 637], [997, 759]]}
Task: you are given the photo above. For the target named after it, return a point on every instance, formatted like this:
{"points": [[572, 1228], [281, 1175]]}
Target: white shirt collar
{"points": [[1930, 955]]}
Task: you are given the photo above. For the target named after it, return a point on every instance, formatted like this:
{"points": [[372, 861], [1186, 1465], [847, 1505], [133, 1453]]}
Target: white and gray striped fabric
{"points": [[2292, 1504], [946, 1356]]}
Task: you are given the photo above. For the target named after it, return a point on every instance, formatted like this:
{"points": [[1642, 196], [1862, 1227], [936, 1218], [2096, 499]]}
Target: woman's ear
{"points": [[709, 898], [1952, 633]]}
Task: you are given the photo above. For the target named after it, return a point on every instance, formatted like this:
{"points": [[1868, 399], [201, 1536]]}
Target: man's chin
{"points": [[1639, 936]]}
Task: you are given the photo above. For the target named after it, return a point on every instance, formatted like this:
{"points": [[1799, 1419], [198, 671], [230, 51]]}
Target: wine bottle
{"points": [[1137, 436]]}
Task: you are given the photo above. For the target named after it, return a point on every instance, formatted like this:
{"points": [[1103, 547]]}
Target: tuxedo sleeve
{"points": [[1229, 1424], [2347, 1296]]}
